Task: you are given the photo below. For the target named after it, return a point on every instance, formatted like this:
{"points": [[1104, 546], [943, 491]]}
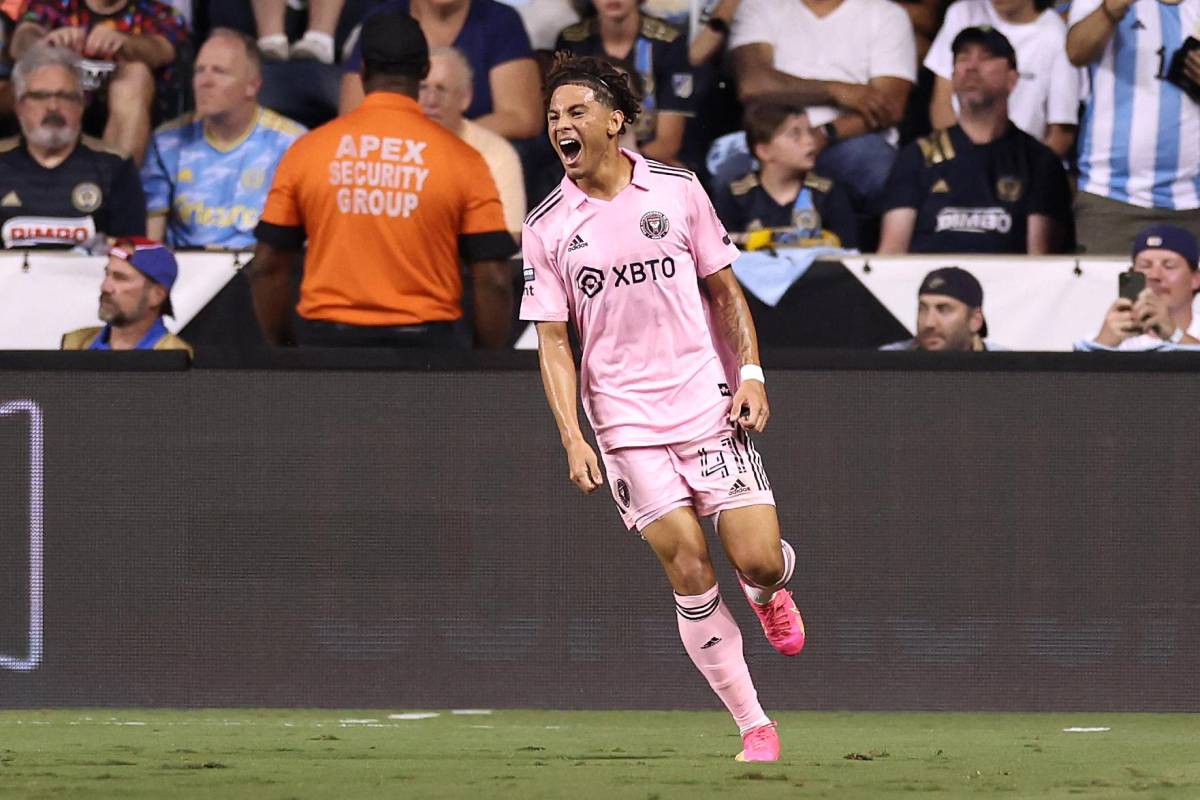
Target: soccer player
{"points": [[632, 253]]}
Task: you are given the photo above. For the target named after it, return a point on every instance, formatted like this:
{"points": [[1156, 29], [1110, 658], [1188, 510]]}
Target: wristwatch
{"points": [[718, 25]]}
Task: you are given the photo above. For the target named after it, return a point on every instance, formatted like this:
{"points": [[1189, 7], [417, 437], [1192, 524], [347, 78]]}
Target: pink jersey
{"points": [[627, 272]]}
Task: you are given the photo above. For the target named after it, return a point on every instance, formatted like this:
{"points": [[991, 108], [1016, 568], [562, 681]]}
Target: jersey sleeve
{"points": [[1050, 193], [903, 187], [156, 179], [939, 60], [712, 248], [483, 235], [544, 298], [1080, 9], [676, 82], [752, 24], [507, 36], [281, 223], [126, 202], [893, 45]]}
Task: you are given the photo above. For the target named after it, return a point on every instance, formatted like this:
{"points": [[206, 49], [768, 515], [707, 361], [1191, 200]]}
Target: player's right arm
{"points": [[559, 380]]}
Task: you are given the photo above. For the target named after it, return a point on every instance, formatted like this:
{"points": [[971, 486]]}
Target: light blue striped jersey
{"points": [[1140, 137], [211, 195]]}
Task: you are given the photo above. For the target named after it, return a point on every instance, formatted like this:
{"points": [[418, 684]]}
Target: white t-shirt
{"points": [[1049, 88], [543, 19], [859, 40]]}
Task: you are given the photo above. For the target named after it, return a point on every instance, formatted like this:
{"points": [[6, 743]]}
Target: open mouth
{"points": [[570, 149]]}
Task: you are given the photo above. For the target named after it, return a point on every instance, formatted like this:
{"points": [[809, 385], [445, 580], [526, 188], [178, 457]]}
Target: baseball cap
{"points": [[996, 42], [393, 43], [153, 260], [1167, 237], [955, 282]]}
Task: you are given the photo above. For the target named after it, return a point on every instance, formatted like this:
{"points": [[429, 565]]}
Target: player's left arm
{"points": [[735, 326]]}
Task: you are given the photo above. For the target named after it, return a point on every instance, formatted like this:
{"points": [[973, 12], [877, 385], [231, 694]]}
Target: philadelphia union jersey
{"points": [[214, 195], [93, 191], [1140, 134], [627, 272]]}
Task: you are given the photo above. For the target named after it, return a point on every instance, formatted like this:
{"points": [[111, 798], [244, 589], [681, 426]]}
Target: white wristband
{"points": [[753, 372]]}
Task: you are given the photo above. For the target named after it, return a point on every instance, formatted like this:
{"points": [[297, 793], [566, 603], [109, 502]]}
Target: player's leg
{"points": [[710, 634], [764, 563], [728, 480]]}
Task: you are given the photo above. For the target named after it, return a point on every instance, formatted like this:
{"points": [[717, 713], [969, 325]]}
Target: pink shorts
{"points": [[713, 473]]}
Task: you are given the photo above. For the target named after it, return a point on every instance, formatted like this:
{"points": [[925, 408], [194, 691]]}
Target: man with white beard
{"points": [[57, 187]]}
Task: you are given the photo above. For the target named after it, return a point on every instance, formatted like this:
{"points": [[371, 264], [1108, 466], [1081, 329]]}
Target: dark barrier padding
{"points": [[966, 540]]}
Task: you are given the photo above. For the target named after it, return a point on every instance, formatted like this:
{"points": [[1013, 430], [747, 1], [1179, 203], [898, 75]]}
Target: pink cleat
{"points": [[781, 622], [760, 744]]}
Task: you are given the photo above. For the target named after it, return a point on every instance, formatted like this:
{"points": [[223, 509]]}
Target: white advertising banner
{"points": [[45, 294]]}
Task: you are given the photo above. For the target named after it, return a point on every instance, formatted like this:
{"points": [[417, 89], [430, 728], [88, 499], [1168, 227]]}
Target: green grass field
{"points": [[272, 754]]}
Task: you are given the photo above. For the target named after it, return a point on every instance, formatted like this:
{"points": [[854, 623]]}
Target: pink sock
{"points": [[713, 640]]}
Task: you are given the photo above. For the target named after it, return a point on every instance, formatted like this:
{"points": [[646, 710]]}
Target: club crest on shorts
{"points": [[623, 492], [590, 281], [86, 197], [655, 225]]}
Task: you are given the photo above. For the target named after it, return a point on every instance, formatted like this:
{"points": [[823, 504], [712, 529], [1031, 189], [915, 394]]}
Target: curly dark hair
{"points": [[612, 85]]}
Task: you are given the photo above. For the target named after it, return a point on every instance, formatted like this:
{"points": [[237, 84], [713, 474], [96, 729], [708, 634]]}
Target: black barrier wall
{"points": [[966, 540]]}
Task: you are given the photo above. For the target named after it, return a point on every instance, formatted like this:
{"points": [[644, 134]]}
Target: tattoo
{"points": [[735, 326]]}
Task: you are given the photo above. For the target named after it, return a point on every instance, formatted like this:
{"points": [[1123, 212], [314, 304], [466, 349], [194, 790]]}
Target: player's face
{"points": [[51, 108], [615, 9], [794, 146], [126, 295], [980, 79], [223, 78], [582, 129], [1168, 276], [945, 323], [445, 92]]}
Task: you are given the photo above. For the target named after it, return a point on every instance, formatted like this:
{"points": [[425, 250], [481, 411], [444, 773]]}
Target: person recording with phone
{"points": [[1154, 309]]}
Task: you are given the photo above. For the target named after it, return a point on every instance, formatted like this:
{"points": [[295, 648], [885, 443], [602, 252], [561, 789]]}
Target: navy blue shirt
{"points": [[974, 198], [744, 205], [492, 34]]}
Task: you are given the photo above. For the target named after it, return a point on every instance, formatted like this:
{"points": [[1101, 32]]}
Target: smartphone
{"points": [[1130, 284]]}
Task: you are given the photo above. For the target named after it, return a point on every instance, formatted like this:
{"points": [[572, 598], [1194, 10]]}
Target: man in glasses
{"points": [[57, 187]]}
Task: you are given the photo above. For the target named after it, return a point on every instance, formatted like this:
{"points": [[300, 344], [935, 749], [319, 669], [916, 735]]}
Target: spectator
{"points": [[317, 42], [134, 297], [784, 196], [1139, 150], [984, 185], [1162, 316], [207, 173], [926, 18], [543, 19], [139, 37], [445, 94], [389, 201], [949, 315], [852, 63], [1045, 103], [58, 187], [657, 53], [505, 97]]}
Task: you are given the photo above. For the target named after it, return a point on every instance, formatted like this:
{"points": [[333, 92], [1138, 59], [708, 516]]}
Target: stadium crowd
{"points": [[972, 126]]}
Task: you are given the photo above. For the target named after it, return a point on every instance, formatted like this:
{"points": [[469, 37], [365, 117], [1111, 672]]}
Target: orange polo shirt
{"points": [[390, 202]]}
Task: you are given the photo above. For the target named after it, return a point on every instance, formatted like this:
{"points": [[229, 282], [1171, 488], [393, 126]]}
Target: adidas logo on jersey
{"points": [[11, 200], [940, 186], [577, 243], [738, 488], [710, 642]]}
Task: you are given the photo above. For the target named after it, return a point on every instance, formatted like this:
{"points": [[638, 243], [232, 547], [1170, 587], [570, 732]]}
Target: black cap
{"points": [[955, 282], [996, 42], [393, 44]]}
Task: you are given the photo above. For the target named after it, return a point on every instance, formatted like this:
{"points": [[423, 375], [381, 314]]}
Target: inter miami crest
{"points": [[590, 281], [623, 492], [655, 225]]}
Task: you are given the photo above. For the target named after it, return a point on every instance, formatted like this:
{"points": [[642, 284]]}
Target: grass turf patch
{"points": [[276, 754]]}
